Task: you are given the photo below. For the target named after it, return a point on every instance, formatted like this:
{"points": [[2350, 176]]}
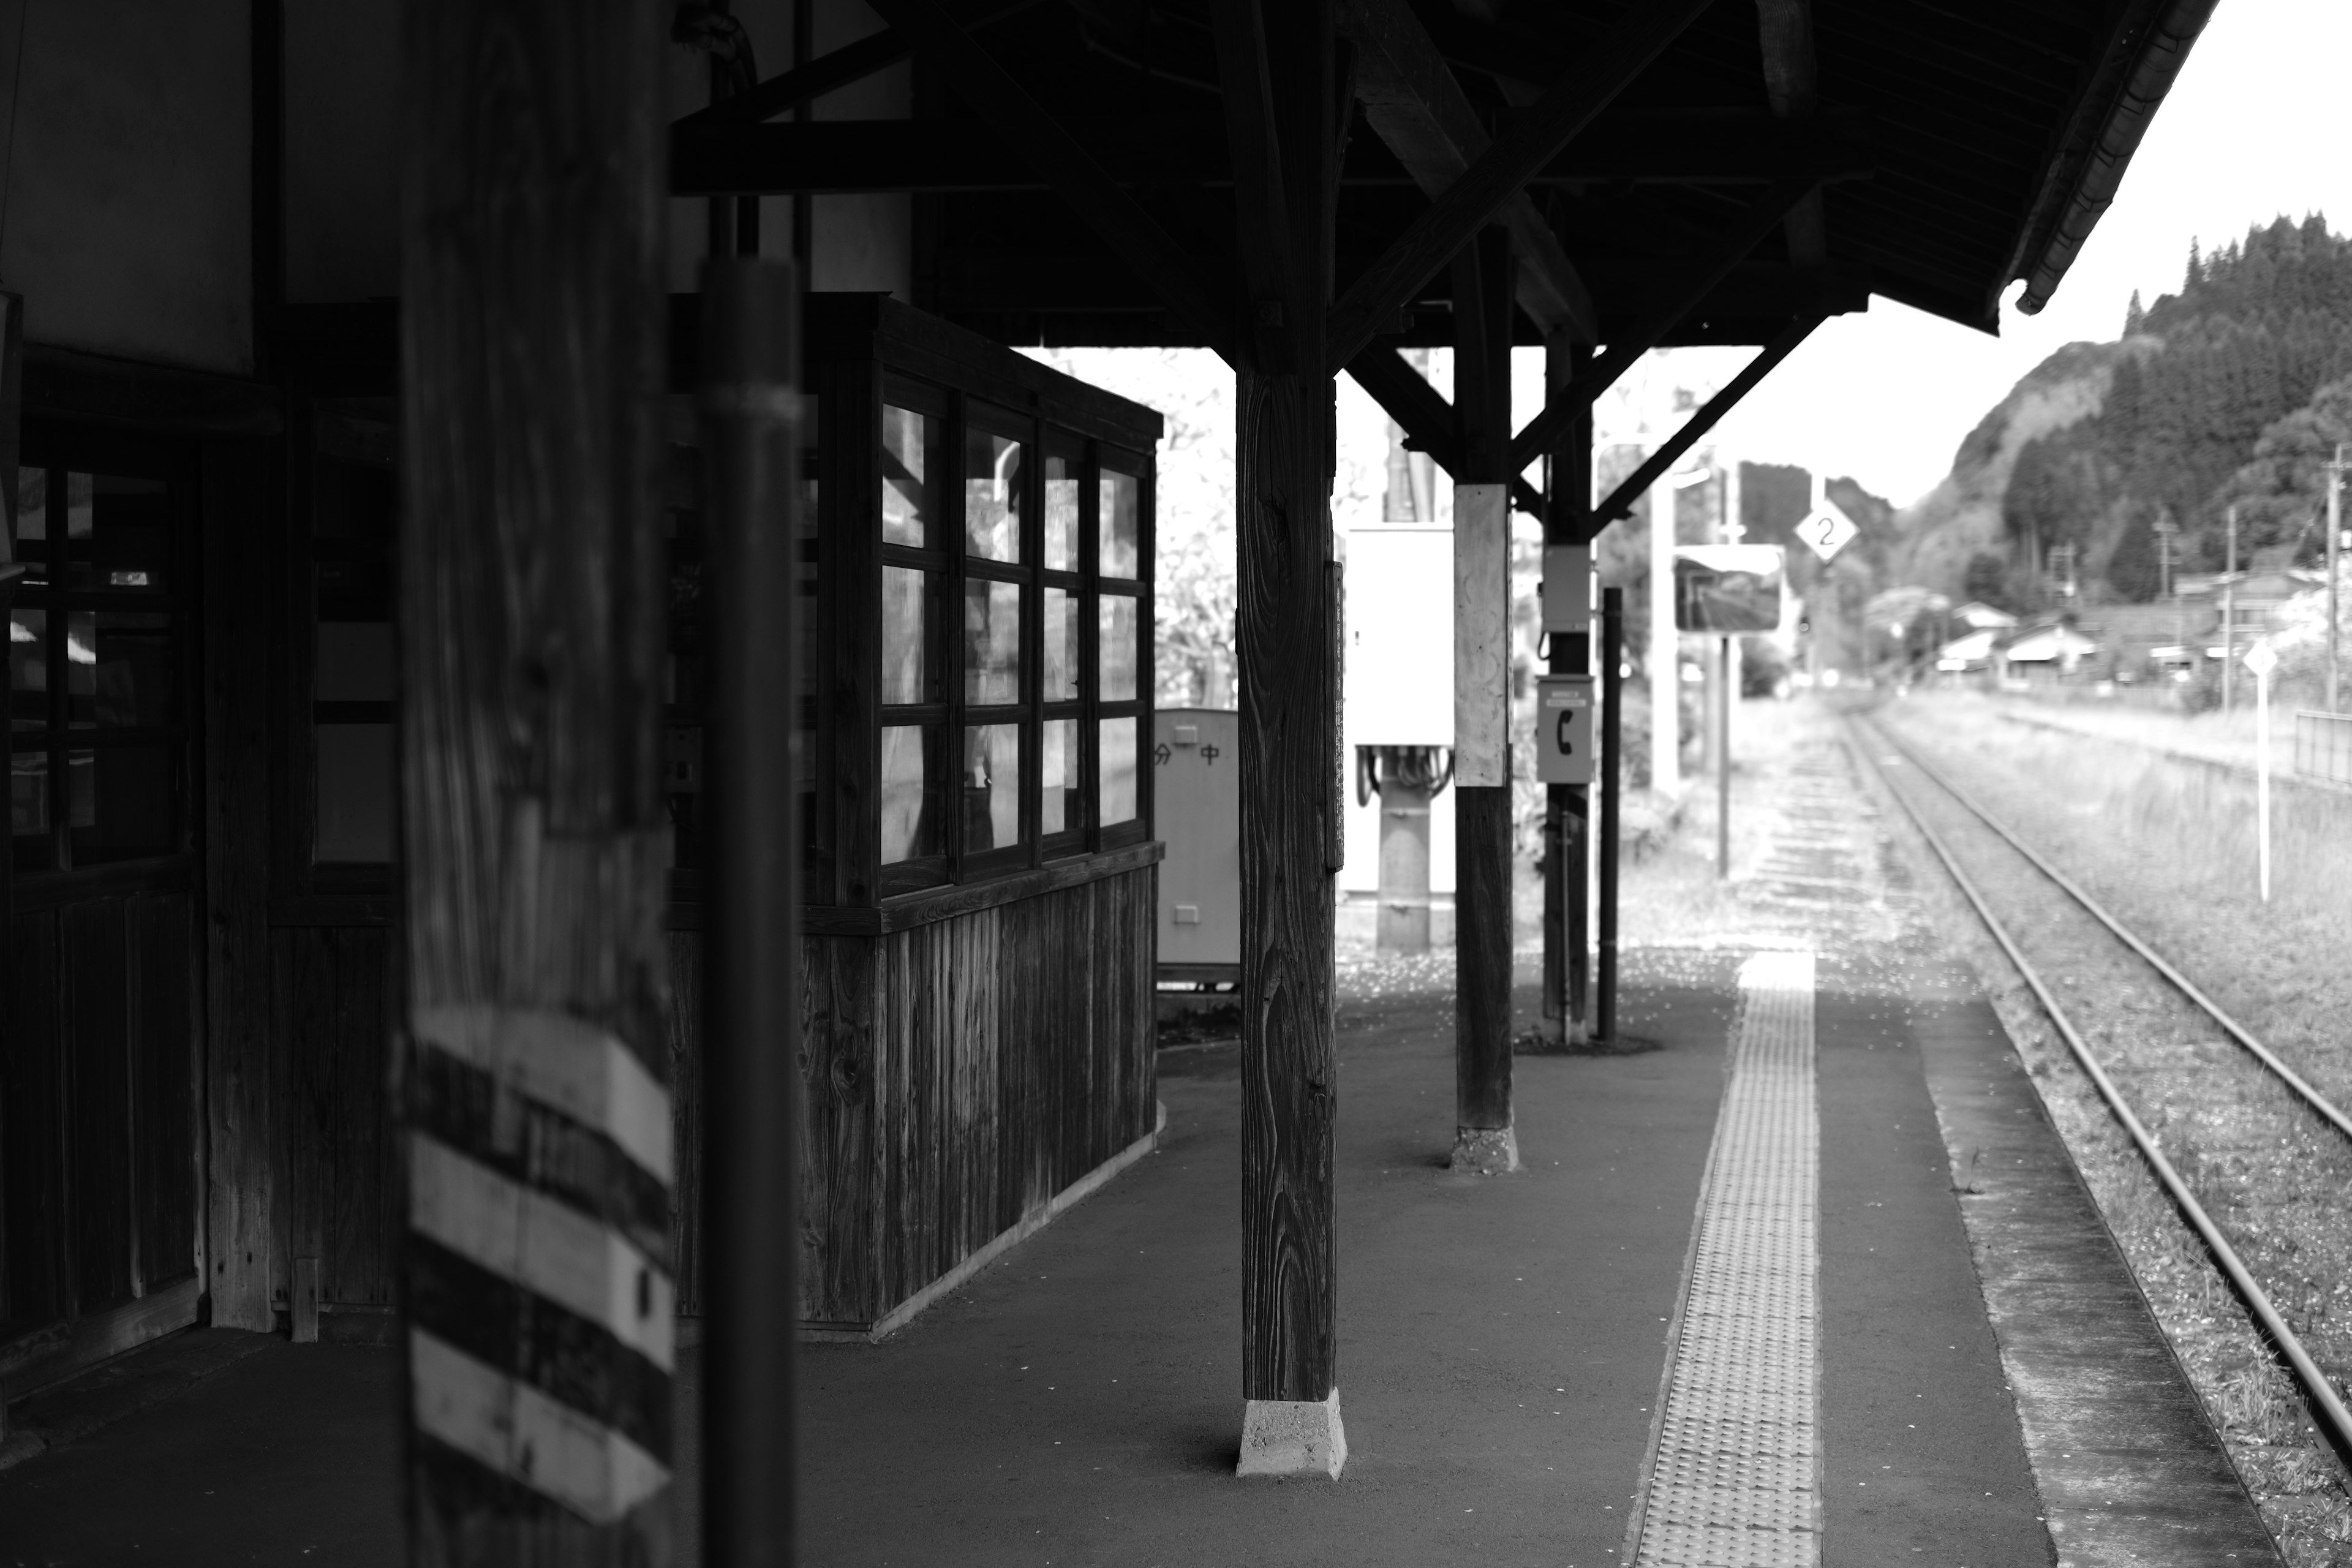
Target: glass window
{"points": [[1117, 648], [1061, 513], [96, 762], [910, 790], [991, 639], [910, 658], [355, 791], [1114, 762], [992, 787], [991, 495], [1061, 806], [909, 500], [1121, 523], [1065, 662]]}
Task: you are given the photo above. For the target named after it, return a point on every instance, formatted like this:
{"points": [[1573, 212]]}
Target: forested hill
{"points": [[2233, 390]]}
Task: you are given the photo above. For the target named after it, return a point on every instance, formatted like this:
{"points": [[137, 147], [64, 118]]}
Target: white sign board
{"points": [[1564, 729], [1827, 531], [2261, 659], [1400, 666]]}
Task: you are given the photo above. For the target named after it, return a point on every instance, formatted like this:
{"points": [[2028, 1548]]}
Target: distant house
{"points": [[2041, 654], [1979, 616], [1967, 655]]}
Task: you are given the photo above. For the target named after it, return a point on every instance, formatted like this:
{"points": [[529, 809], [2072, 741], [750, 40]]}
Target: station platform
{"points": [[1799, 1274]]}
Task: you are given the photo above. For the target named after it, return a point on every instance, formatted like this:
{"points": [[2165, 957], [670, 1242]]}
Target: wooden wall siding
{"points": [[32, 1135], [332, 989], [841, 1003], [97, 1091], [163, 1023], [958, 1075]]}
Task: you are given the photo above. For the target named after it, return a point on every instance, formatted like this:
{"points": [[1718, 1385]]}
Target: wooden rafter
{"points": [[1117, 218], [1763, 216], [1419, 111], [784, 92], [1792, 87], [1471, 201], [1661, 461], [1427, 420]]}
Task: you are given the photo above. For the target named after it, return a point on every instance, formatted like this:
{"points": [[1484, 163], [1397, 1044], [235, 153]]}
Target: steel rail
{"points": [[2325, 1404], [2156, 961]]}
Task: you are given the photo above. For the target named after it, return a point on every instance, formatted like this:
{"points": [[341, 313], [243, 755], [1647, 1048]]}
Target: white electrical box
{"points": [[1400, 665], [1568, 588], [1196, 757]]}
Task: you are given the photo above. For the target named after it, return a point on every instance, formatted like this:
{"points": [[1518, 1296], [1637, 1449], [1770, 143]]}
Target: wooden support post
{"points": [[751, 1173], [1291, 768], [1568, 808], [1484, 1139], [536, 1135]]}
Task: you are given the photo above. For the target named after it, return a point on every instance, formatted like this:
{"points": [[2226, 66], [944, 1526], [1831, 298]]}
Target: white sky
{"points": [[2258, 124]]}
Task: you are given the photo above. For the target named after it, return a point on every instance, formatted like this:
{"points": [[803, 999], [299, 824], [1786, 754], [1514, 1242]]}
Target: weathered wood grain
{"points": [[163, 1028], [242, 1219], [32, 1150], [531, 612], [98, 1098]]}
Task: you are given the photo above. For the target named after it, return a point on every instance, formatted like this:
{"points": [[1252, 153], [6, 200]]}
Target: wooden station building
{"points": [[362, 585]]}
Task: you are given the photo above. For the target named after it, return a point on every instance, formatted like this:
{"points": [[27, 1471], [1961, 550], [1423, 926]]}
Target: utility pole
{"points": [[2335, 549], [2230, 617]]}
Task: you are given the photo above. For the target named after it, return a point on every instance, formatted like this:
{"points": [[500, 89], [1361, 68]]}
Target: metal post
{"points": [[2262, 772], [2229, 619], [2335, 545], [1723, 759], [1665, 663], [751, 435], [1612, 785]]}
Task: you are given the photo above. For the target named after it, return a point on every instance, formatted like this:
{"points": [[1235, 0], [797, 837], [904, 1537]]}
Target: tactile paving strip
{"points": [[1735, 1481]]}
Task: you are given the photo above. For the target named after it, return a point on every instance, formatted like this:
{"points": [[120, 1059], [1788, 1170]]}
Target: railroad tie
{"points": [[1734, 1480]]}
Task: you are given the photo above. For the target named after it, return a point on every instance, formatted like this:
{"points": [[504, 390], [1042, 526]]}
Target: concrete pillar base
{"points": [[1292, 1437], [1485, 1150]]}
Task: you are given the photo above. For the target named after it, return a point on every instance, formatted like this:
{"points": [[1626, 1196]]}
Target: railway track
{"points": [[2176, 1047]]}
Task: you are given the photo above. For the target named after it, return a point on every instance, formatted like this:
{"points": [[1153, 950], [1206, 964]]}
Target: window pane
{"points": [[910, 793], [1064, 664], [1119, 526], [992, 787], [28, 807], [991, 496], [119, 669], [81, 668], [991, 642], [124, 803], [32, 505], [129, 525], [1061, 806], [354, 662], [355, 791], [28, 669], [1061, 513], [1117, 761], [1117, 648], [910, 655], [908, 501]]}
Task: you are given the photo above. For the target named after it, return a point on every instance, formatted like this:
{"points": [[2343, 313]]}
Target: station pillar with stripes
{"points": [[535, 1118]]}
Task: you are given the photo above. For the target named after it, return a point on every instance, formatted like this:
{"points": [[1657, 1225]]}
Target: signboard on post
{"points": [[1827, 531], [1564, 729], [1728, 590]]}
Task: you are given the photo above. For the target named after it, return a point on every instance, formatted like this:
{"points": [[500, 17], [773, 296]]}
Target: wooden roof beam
{"points": [[826, 156], [1763, 216], [1263, 206], [1792, 87], [1117, 217], [831, 72], [1415, 106], [1471, 202], [1661, 461]]}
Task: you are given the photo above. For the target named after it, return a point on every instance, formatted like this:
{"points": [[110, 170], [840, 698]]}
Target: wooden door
{"points": [[99, 1179]]}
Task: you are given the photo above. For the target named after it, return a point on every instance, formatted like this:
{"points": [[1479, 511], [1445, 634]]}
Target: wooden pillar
{"points": [[536, 1135], [1292, 772], [1568, 808], [1483, 1140]]}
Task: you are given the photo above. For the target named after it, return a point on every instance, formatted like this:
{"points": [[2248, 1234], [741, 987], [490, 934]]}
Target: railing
{"points": [[2323, 746]]}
